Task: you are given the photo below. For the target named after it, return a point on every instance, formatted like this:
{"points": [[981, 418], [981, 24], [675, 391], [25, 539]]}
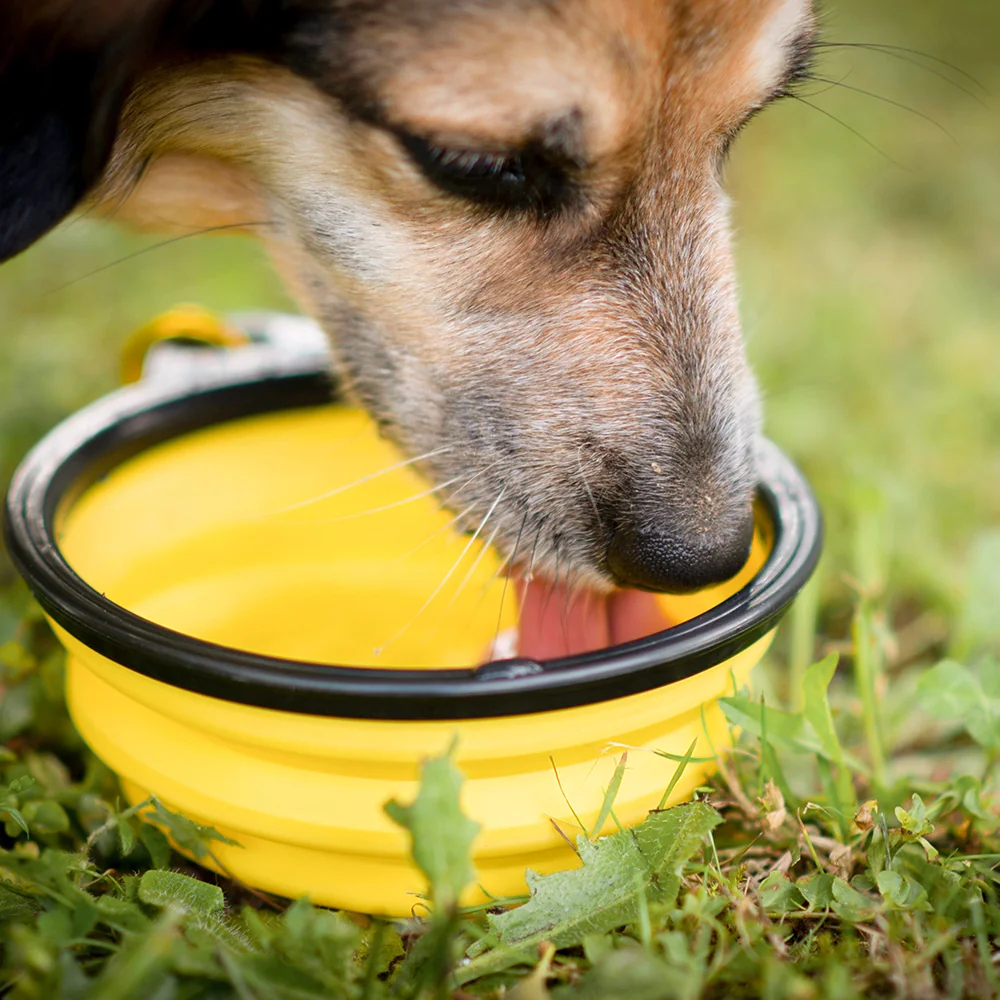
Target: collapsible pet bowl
{"points": [[222, 594]]}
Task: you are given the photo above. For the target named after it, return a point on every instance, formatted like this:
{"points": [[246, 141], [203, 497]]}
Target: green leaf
{"points": [[381, 950], [893, 886], [989, 677], [121, 914], [155, 841], [952, 691], [190, 837], [126, 837], [15, 822], [817, 707], [55, 927], [779, 895], [441, 834], [849, 904], [949, 691], [633, 974], [163, 888], [902, 892], [784, 730], [567, 907], [17, 710], [46, 816], [967, 789], [140, 969], [85, 916], [978, 621], [914, 822], [596, 946], [16, 905], [931, 851], [877, 852], [817, 890]]}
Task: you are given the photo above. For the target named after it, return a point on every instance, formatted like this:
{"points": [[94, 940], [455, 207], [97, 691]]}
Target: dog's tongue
{"points": [[553, 624]]}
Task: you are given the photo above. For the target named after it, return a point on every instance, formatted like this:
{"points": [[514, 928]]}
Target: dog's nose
{"points": [[679, 562]]}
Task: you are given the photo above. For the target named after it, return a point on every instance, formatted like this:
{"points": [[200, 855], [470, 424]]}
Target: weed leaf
{"points": [[779, 895], [817, 890], [15, 905], [166, 888], [192, 838], [784, 729], [604, 893], [952, 691], [978, 624], [441, 833], [156, 842], [849, 904], [816, 707]]}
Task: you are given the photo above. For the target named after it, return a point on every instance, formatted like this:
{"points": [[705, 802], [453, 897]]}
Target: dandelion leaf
{"points": [[441, 833], [605, 893]]}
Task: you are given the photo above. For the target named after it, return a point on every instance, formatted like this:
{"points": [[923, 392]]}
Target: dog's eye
{"points": [[522, 179]]}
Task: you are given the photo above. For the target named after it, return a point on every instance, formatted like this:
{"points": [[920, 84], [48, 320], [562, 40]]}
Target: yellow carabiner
{"points": [[186, 322]]}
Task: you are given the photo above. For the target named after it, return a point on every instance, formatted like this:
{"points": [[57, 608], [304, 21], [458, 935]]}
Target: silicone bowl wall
{"points": [[293, 755]]}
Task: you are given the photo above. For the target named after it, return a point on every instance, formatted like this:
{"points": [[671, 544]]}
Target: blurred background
{"points": [[869, 254]]}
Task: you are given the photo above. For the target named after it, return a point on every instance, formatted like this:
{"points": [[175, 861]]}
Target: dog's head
{"points": [[508, 214]]}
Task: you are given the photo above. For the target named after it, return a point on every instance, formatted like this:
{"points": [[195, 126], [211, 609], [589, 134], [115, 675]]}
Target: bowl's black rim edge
{"points": [[102, 435]]}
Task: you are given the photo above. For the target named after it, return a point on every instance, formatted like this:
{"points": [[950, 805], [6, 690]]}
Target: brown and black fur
{"points": [[562, 339]]}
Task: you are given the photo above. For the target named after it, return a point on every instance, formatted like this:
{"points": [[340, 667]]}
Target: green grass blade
{"points": [[679, 770], [609, 796]]}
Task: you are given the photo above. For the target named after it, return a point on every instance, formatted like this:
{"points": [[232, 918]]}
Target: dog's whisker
{"points": [[444, 503], [885, 100], [357, 482], [528, 573], [586, 486], [824, 90], [571, 595], [486, 546], [485, 588], [388, 506], [573, 590], [511, 559], [451, 572], [902, 51], [853, 131], [458, 517], [439, 531], [555, 578], [506, 565], [468, 482], [961, 88], [158, 246]]}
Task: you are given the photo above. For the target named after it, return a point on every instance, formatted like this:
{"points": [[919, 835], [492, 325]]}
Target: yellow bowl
{"points": [[222, 595]]}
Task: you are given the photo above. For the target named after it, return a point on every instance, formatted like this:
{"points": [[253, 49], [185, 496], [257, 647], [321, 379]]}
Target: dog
{"points": [[507, 214]]}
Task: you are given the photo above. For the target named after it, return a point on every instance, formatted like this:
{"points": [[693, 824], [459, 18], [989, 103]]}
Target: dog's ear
{"points": [[65, 66], [49, 152]]}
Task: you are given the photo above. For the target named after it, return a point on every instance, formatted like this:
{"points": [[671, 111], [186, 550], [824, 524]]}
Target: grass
{"points": [[849, 845]]}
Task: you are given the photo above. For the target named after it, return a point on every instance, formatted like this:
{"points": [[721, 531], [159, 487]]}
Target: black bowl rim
{"points": [[89, 443]]}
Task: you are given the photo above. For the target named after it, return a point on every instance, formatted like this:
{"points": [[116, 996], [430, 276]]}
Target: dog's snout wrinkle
{"points": [[675, 560]]}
